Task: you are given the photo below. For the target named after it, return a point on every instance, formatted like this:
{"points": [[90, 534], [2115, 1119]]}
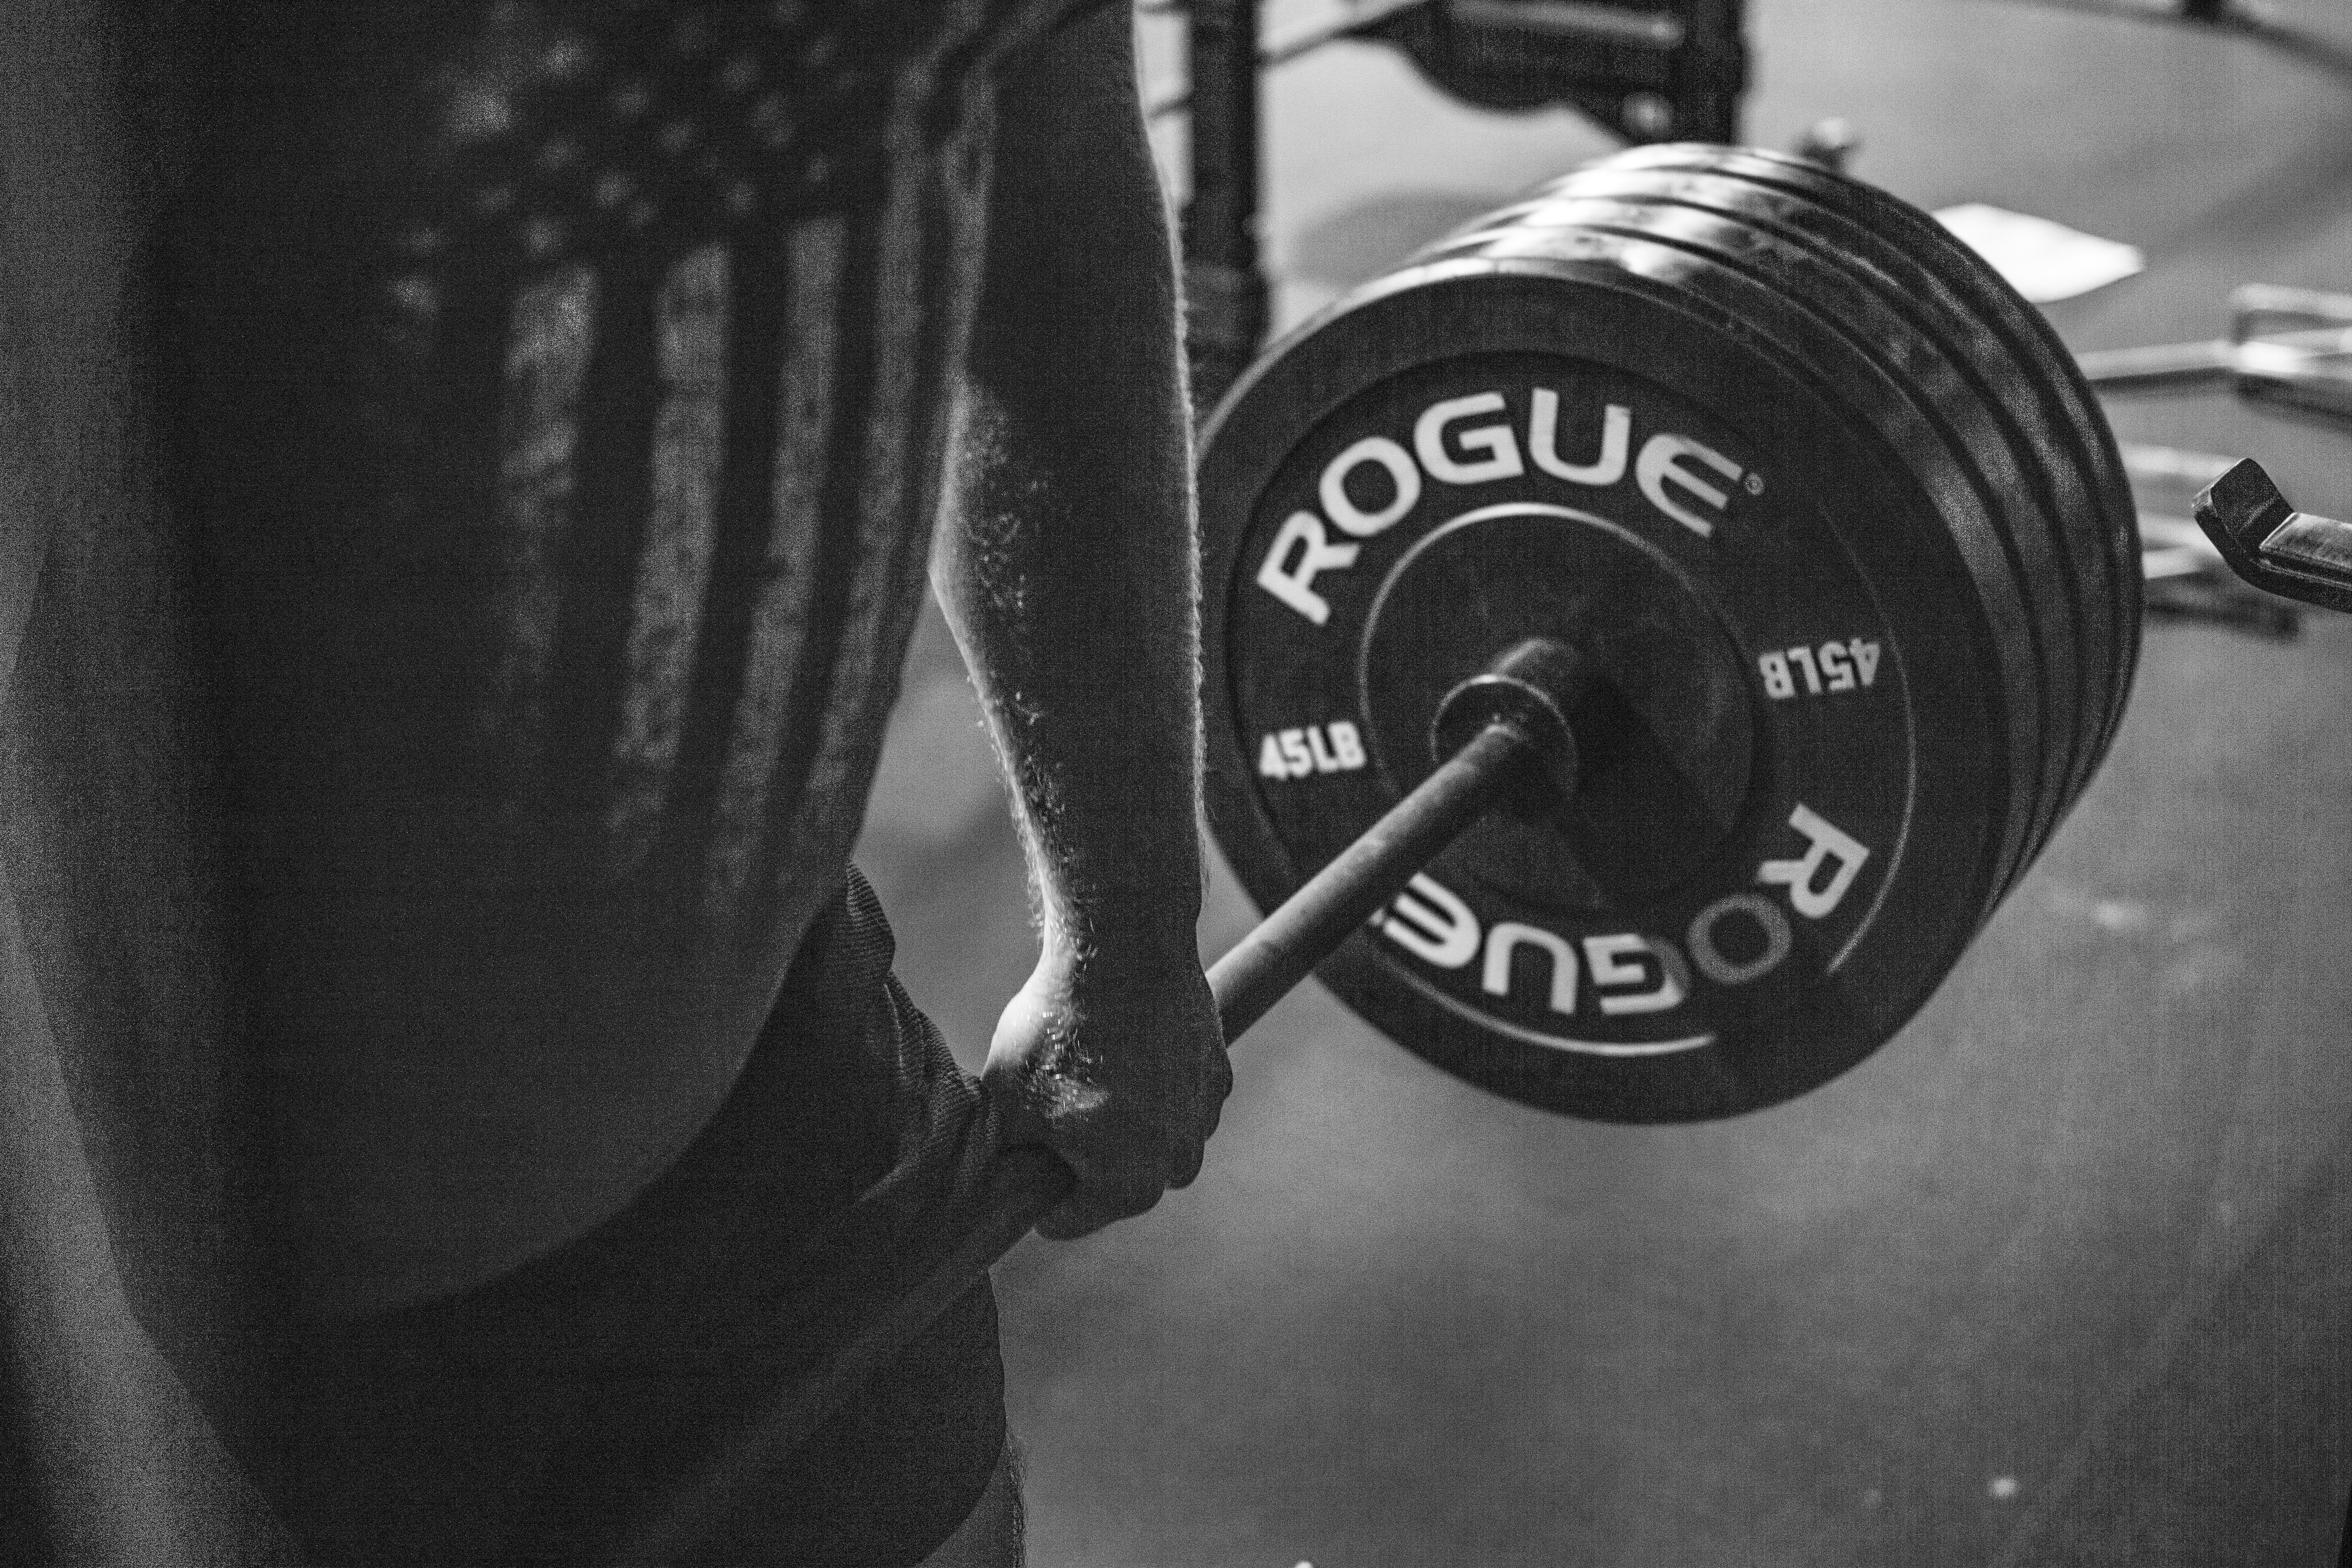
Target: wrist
{"points": [[1130, 923], [1145, 878]]}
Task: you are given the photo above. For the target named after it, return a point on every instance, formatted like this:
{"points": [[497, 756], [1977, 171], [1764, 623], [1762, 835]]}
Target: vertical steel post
{"points": [[1712, 69], [1226, 293]]}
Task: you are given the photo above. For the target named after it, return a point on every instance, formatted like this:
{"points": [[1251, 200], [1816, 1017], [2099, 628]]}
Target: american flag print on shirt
{"points": [[579, 379]]}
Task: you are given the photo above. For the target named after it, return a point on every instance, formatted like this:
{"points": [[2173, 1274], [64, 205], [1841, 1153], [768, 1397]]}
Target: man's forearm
{"points": [[1067, 559]]}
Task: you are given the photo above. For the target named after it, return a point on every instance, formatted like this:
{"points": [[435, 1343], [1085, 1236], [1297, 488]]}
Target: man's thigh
{"points": [[550, 1411], [992, 1535]]}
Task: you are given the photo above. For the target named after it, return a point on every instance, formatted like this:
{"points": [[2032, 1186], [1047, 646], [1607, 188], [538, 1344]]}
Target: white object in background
{"points": [[2042, 259]]}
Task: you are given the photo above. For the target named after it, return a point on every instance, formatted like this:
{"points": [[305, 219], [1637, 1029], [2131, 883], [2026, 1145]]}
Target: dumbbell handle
{"points": [[1027, 1181]]}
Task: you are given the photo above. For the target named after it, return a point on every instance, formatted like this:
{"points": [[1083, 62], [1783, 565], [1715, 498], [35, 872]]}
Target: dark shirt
{"points": [[564, 392]]}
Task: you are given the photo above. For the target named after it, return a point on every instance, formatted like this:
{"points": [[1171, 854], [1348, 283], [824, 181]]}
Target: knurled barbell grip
{"points": [[1027, 1183]]}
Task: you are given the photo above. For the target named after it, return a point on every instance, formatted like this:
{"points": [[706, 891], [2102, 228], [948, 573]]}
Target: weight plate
{"points": [[1894, 405], [2006, 481], [2106, 527], [1803, 786], [2057, 427], [2011, 388], [2097, 524]]}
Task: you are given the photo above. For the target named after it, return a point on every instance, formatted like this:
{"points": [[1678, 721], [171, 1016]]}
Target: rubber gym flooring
{"points": [[2057, 1277]]}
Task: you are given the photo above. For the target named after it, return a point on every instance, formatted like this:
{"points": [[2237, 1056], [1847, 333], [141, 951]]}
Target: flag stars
{"points": [[560, 154], [629, 101], [542, 237], [612, 189], [771, 120], [416, 300], [564, 58], [477, 114]]}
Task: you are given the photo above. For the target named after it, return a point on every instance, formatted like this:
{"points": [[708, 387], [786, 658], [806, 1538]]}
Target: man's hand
{"points": [[1111, 1056]]}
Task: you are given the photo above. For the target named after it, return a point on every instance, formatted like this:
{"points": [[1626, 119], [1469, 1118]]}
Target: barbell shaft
{"points": [[1284, 948], [1027, 1181]]}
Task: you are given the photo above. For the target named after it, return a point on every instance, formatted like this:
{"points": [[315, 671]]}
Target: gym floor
{"points": [[2057, 1277]]}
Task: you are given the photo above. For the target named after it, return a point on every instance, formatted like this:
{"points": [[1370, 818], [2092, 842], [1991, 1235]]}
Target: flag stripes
{"points": [[815, 253], [735, 721], [673, 562], [549, 342]]}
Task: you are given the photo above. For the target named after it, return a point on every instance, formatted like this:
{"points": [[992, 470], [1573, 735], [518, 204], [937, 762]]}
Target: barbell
{"points": [[1646, 635], [1644, 638]]}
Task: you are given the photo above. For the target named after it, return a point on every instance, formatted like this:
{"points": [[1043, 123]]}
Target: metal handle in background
{"points": [[2267, 542], [2286, 345], [1027, 1183]]}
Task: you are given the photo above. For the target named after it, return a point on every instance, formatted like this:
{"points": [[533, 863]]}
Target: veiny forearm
{"points": [[1067, 556]]}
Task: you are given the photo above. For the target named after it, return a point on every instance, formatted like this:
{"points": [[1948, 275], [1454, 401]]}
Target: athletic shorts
{"points": [[537, 1418]]}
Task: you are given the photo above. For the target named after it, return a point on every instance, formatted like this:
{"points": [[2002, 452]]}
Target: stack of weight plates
{"points": [[1833, 512]]}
